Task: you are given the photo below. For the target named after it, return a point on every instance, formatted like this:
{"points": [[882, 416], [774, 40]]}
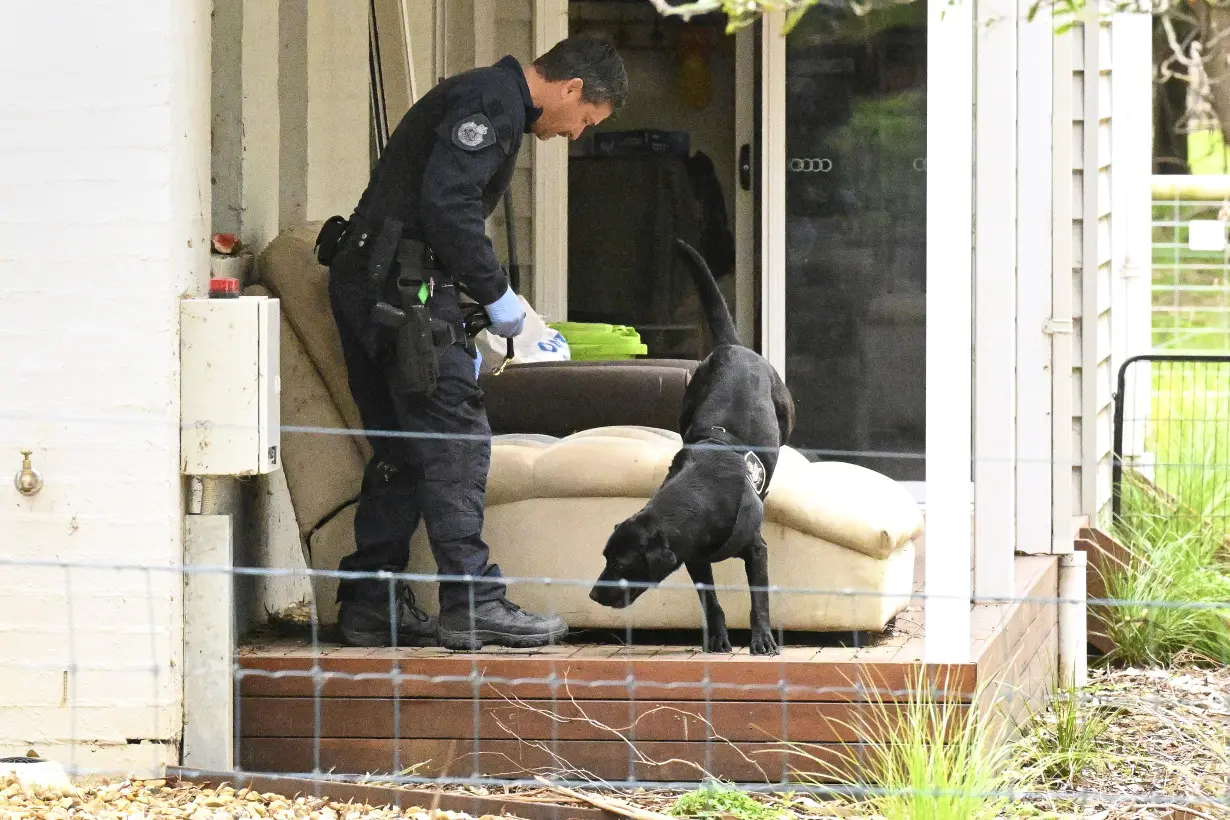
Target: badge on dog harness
{"points": [[755, 471]]}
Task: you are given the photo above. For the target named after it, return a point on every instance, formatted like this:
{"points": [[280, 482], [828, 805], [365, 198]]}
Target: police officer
{"points": [[405, 271]]}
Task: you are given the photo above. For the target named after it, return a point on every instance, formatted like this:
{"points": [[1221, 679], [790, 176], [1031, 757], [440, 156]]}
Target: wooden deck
{"points": [[512, 713]]}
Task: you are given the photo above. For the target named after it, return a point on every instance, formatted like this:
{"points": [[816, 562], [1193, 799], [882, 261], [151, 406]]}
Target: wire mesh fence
{"points": [[1175, 444], [624, 710], [643, 719], [1191, 273]]}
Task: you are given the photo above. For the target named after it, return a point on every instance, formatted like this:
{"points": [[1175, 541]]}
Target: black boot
{"points": [[364, 620], [499, 622]]}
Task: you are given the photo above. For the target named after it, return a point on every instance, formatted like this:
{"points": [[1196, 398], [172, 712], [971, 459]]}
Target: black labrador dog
{"points": [[736, 415]]}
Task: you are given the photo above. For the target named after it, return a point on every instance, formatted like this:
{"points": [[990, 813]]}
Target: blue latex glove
{"points": [[478, 365], [507, 315]]}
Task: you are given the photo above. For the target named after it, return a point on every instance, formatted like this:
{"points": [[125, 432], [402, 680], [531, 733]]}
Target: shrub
{"points": [[925, 759], [1175, 588]]}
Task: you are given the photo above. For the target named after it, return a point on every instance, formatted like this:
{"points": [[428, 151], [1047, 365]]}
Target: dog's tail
{"points": [[717, 314]]}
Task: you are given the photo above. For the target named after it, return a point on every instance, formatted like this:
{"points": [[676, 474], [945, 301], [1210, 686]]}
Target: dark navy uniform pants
{"points": [[438, 477]]}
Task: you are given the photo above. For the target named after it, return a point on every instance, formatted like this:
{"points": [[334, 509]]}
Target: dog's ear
{"points": [[625, 534], [658, 554]]}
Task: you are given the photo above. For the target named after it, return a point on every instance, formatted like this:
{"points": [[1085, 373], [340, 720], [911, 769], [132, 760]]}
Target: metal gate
{"points": [[1178, 444]]}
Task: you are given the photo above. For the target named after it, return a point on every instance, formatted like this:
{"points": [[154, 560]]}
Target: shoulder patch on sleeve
{"points": [[473, 132]]}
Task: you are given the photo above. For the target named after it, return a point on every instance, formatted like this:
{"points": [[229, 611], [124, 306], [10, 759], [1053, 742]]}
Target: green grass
{"points": [[1066, 739], [1180, 567], [1176, 528], [1178, 581], [923, 759], [1189, 432]]}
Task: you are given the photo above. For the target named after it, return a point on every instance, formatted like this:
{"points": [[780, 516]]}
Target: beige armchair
{"points": [[578, 447]]}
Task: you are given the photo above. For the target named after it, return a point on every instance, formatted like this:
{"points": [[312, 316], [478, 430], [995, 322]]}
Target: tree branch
{"points": [[738, 13]]}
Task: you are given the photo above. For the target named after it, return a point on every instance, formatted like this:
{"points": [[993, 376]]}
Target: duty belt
{"points": [[414, 257], [390, 245]]}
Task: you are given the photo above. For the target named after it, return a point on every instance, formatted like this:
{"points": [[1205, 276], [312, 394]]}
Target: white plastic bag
{"points": [[535, 343]]}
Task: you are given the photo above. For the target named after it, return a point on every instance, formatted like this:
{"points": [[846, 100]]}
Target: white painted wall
{"points": [[550, 180], [1035, 247], [338, 108], [951, 153], [996, 349], [509, 28], [260, 159], [291, 125], [104, 217], [245, 123], [1092, 270], [404, 78], [1132, 147], [1098, 308], [1114, 267], [227, 115]]}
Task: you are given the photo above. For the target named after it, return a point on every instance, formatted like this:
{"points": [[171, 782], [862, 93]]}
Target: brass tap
{"points": [[27, 481]]}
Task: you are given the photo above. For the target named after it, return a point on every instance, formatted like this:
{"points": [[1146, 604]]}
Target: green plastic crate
{"points": [[594, 341]]}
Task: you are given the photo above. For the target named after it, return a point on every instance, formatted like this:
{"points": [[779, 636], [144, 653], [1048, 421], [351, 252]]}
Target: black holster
{"points": [[402, 328], [330, 238], [414, 351]]}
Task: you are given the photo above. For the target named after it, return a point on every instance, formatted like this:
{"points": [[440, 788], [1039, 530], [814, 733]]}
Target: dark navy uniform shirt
{"points": [[446, 166]]}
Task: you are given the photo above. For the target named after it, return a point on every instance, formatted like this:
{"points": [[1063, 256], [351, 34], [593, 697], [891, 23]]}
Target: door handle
{"points": [[745, 167]]}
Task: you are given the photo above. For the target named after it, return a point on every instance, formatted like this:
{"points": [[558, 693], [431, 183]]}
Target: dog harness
{"points": [[751, 504]]}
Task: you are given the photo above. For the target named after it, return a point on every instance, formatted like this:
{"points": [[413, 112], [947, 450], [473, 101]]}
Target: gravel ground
{"points": [[1168, 742], [137, 800]]}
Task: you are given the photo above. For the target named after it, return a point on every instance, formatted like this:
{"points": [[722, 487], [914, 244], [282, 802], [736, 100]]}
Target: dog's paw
{"points": [[719, 642], [763, 644]]}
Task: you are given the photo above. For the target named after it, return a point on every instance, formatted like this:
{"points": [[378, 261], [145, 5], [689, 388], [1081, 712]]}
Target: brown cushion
{"points": [[562, 398]]}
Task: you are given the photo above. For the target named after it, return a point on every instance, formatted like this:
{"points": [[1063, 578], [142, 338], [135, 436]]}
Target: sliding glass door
{"points": [[843, 232]]}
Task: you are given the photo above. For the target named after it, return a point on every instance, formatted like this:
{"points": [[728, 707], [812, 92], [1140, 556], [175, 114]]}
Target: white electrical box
{"points": [[230, 388]]}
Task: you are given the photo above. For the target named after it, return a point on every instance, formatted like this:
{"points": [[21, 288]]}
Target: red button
{"points": [[224, 288]]}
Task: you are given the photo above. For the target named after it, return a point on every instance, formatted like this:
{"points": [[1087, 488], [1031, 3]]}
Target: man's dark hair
{"points": [[592, 60]]}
